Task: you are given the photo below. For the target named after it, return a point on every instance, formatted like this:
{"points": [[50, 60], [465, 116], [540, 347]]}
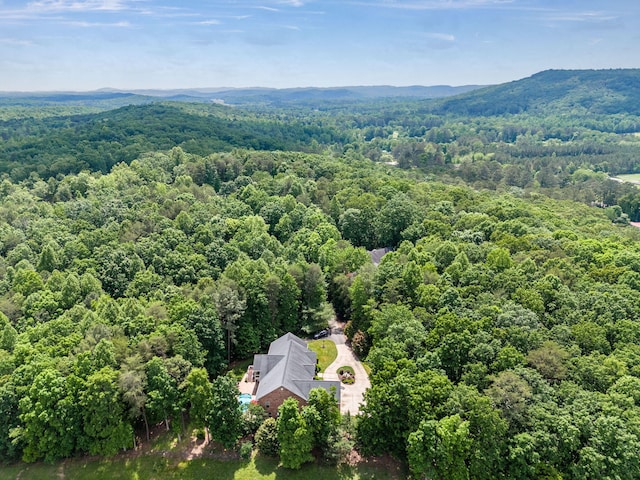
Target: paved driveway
{"points": [[351, 396]]}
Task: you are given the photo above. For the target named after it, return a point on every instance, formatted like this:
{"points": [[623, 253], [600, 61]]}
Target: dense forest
{"points": [[144, 247]]}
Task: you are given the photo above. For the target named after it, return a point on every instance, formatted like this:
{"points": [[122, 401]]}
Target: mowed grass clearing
{"points": [[631, 177], [326, 351], [161, 468]]}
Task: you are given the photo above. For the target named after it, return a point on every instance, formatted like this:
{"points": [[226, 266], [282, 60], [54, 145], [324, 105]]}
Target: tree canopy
{"points": [[501, 327]]}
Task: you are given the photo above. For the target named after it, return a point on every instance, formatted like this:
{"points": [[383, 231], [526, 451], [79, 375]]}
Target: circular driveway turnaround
{"points": [[351, 396]]}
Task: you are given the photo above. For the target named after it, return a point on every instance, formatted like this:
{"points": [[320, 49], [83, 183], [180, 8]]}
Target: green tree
{"points": [[294, 436], [117, 267], [612, 451], [132, 382], [27, 281], [324, 421], [104, 354], [9, 410], [8, 334], [360, 293], [288, 304], [198, 393], [396, 215], [253, 417], [104, 422], [510, 393], [358, 227], [314, 294], [50, 427], [499, 259], [267, 438], [224, 418], [204, 322], [487, 431], [400, 397], [230, 307], [439, 449], [444, 255], [163, 397], [550, 360], [48, 260]]}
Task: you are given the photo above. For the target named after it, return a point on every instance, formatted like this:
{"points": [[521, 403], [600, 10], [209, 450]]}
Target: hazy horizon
{"points": [[227, 88]]}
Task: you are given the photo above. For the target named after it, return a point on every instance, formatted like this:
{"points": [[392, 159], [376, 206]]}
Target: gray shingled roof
{"points": [[289, 364], [377, 254], [280, 346]]}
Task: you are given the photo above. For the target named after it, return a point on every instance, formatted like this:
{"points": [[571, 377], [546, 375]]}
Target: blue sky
{"points": [[90, 44]]}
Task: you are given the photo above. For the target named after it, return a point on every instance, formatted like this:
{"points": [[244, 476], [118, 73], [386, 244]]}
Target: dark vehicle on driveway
{"points": [[321, 334]]}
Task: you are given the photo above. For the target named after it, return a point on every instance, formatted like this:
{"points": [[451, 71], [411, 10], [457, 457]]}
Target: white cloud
{"points": [[581, 17], [56, 9], [17, 42], [268, 9], [210, 22], [437, 4], [98, 24], [445, 37], [293, 3], [78, 5]]}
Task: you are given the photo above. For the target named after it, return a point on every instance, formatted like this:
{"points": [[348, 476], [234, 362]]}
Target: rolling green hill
{"points": [[551, 92], [98, 141]]}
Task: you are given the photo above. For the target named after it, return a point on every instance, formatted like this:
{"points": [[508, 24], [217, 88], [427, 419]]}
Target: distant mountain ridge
{"points": [[309, 94], [234, 96], [552, 91], [580, 92]]}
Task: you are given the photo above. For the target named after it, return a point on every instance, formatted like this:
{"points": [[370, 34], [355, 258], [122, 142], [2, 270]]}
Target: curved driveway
{"points": [[351, 396]]}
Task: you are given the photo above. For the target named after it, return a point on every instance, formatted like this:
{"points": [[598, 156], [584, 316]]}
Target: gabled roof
{"points": [[281, 345], [289, 364], [377, 254]]}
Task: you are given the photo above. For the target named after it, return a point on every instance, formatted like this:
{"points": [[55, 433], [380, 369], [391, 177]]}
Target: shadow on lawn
{"points": [[267, 465], [313, 471]]}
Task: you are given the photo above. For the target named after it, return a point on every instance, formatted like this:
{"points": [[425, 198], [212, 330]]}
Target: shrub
{"points": [[349, 330], [252, 418], [245, 450], [339, 446], [267, 438], [346, 375], [360, 344]]}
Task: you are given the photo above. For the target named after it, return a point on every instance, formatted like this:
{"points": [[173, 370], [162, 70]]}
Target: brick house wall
{"points": [[271, 401]]}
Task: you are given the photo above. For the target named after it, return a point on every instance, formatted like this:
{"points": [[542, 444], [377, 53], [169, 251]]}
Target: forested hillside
{"points": [[97, 141], [554, 91], [501, 331]]}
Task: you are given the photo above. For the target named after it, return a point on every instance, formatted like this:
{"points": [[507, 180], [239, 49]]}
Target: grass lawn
{"points": [[632, 177], [239, 367], [326, 351], [160, 468]]}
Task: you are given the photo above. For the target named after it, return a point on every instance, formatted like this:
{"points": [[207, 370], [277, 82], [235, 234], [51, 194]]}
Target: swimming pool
{"points": [[244, 399]]}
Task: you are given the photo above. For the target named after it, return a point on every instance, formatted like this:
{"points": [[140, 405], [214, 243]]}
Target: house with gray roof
{"points": [[377, 254], [287, 370]]}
